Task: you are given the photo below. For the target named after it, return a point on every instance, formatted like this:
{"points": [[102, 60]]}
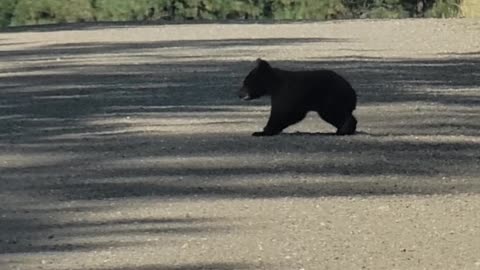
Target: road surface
{"points": [[124, 146]]}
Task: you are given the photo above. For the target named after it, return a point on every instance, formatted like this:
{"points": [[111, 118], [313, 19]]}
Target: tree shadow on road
{"points": [[27, 231], [83, 109]]}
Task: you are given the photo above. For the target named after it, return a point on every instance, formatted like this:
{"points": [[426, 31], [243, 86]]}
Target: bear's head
{"points": [[258, 81]]}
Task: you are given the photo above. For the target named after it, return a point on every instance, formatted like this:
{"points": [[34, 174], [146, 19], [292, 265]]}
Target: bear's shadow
{"points": [[319, 134]]}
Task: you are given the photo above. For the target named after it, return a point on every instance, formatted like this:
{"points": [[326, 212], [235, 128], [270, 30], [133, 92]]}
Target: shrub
{"points": [[307, 9], [75, 11], [7, 8], [52, 11], [128, 10], [21, 12], [378, 9], [444, 9], [235, 9]]}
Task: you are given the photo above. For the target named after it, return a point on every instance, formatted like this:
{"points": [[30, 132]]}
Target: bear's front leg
{"points": [[279, 120], [265, 132], [273, 127]]}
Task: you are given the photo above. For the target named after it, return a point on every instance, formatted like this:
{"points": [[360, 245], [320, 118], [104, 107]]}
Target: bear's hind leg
{"points": [[345, 123]]}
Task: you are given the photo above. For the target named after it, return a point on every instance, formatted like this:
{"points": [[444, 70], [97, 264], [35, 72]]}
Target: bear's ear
{"points": [[261, 64]]}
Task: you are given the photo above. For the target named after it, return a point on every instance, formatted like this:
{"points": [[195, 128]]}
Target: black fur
{"points": [[295, 93]]}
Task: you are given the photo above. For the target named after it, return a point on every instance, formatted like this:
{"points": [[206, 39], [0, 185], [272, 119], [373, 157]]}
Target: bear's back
{"points": [[318, 89]]}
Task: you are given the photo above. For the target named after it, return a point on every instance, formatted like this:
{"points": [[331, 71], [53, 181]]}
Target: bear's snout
{"points": [[243, 94]]}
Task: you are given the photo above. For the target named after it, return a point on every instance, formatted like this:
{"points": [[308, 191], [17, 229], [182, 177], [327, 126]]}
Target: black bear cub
{"points": [[295, 93]]}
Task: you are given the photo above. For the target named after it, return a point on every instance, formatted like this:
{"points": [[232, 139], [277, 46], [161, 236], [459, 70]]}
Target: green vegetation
{"points": [[7, 8], [444, 9], [307, 10], [48, 11], [128, 10], [28, 12]]}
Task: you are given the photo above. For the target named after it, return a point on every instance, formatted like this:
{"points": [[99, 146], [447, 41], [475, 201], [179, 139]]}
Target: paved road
{"points": [[125, 147]]}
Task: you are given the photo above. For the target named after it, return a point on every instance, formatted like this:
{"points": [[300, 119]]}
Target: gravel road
{"points": [[124, 146]]}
